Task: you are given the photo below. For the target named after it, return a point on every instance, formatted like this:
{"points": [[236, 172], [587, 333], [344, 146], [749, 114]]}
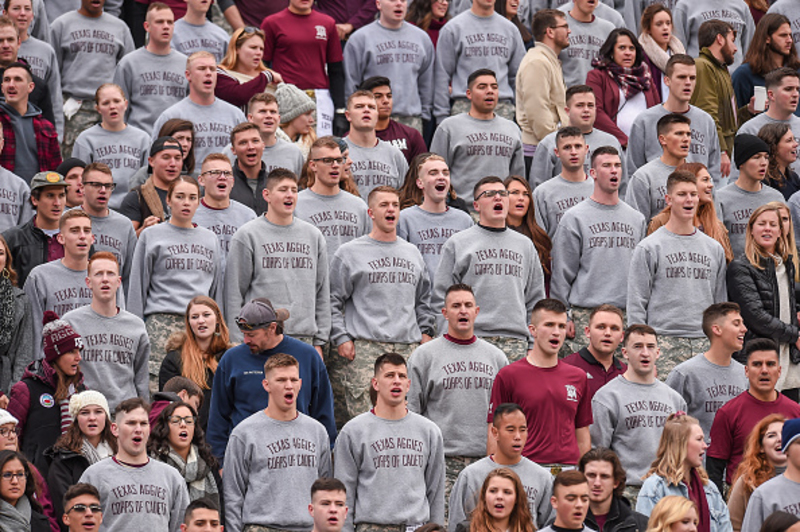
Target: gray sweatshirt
{"points": [[536, 480], [340, 218], [643, 145], [666, 271], [115, 233], [152, 83], [688, 15], [706, 387], [115, 353], [287, 264], [585, 40], [212, 125], [383, 164], [150, 497], [547, 165], [269, 468], [776, 494], [367, 274], [592, 252], [451, 385], [629, 418], [430, 230], [15, 205], [601, 10], [375, 456], [171, 265], [648, 187], [469, 42], [190, 38], [223, 222], [503, 269], [42, 59], [735, 207], [88, 50], [123, 151], [475, 148], [282, 154], [552, 198], [53, 286], [405, 55]]}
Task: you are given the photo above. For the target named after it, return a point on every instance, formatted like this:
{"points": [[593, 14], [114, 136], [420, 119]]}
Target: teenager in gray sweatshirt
{"points": [[479, 142], [284, 259], [388, 447], [274, 456], [629, 412]]}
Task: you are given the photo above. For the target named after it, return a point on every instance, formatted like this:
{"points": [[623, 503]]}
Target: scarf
{"points": [[95, 454], [697, 494], [16, 518], [8, 304], [658, 56], [198, 476], [632, 80]]}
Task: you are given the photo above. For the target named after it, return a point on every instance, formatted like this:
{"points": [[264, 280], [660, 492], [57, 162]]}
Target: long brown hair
{"points": [[672, 450], [790, 239], [755, 469], [530, 228], [8, 270], [420, 14], [772, 134], [520, 519], [752, 250], [757, 55], [194, 361], [176, 125], [72, 440]]}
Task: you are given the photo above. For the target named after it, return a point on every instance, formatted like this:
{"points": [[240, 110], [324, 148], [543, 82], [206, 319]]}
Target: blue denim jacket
{"points": [[656, 488]]}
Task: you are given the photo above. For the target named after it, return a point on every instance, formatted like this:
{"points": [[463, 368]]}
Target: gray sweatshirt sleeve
{"points": [[238, 275], [458, 496], [53, 80], [636, 146], [36, 297], [444, 276], [446, 59], [323, 304], [235, 475], [567, 251], [141, 270], [440, 144], [426, 317], [544, 164], [141, 369], [638, 195], [180, 500], [540, 211], [22, 343], [354, 57], [434, 478], [425, 82], [603, 424], [345, 468], [640, 283], [341, 288]]}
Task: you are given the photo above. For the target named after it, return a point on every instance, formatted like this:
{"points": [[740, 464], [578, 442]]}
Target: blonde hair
{"points": [[238, 39], [199, 55], [752, 250], [672, 450], [669, 510], [790, 240]]}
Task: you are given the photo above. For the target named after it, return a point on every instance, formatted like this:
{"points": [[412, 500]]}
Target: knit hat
{"points": [[6, 417], [69, 164], [259, 313], [343, 145], [79, 401], [59, 337], [745, 146], [791, 431], [292, 102]]}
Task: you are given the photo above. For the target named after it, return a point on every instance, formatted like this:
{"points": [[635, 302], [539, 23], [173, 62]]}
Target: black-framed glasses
{"points": [[492, 193], [8, 475], [81, 508], [227, 174], [243, 325], [177, 420], [329, 160], [5, 432], [98, 185]]}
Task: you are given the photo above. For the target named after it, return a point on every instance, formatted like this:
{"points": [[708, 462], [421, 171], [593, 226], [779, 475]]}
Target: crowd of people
{"points": [[480, 265]]}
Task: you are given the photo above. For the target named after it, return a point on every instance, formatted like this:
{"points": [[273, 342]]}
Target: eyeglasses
{"points": [[177, 420], [329, 160], [81, 508], [98, 185], [7, 432], [227, 174], [8, 475], [243, 325], [524, 193], [441, 1], [560, 26], [492, 193]]}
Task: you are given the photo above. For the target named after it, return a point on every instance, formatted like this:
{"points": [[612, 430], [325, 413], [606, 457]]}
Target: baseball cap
{"points": [[259, 313], [48, 179]]}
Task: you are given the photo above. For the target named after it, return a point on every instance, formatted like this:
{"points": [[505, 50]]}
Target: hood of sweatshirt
{"points": [[30, 113]]}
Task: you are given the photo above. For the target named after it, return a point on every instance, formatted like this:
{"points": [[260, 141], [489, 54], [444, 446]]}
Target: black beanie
{"points": [[745, 146]]}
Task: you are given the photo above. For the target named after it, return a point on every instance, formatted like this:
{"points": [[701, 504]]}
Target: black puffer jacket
{"points": [[65, 469], [620, 518], [28, 246], [756, 292]]}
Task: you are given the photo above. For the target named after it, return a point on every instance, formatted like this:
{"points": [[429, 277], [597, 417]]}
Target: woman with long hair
{"points": [[195, 352], [87, 441], [659, 44], [19, 509], [429, 15], [177, 440], [782, 155], [780, 522], [788, 232], [762, 460], [622, 84], [678, 470], [673, 514], [173, 262], [509, 10], [706, 218], [763, 284], [242, 74], [522, 218], [502, 505], [16, 323]]}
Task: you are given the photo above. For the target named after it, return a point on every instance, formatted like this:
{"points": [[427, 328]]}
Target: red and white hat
{"points": [[59, 337]]}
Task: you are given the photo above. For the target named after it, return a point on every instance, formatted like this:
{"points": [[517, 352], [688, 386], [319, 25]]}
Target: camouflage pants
{"points": [[580, 317], [85, 118], [676, 349], [632, 493], [261, 528], [410, 121], [453, 466], [504, 108], [514, 348], [159, 328], [354, 378], [374, 527]]}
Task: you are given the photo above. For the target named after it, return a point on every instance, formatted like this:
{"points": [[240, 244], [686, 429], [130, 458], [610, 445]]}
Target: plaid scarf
{"points": [[631, 80]]}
